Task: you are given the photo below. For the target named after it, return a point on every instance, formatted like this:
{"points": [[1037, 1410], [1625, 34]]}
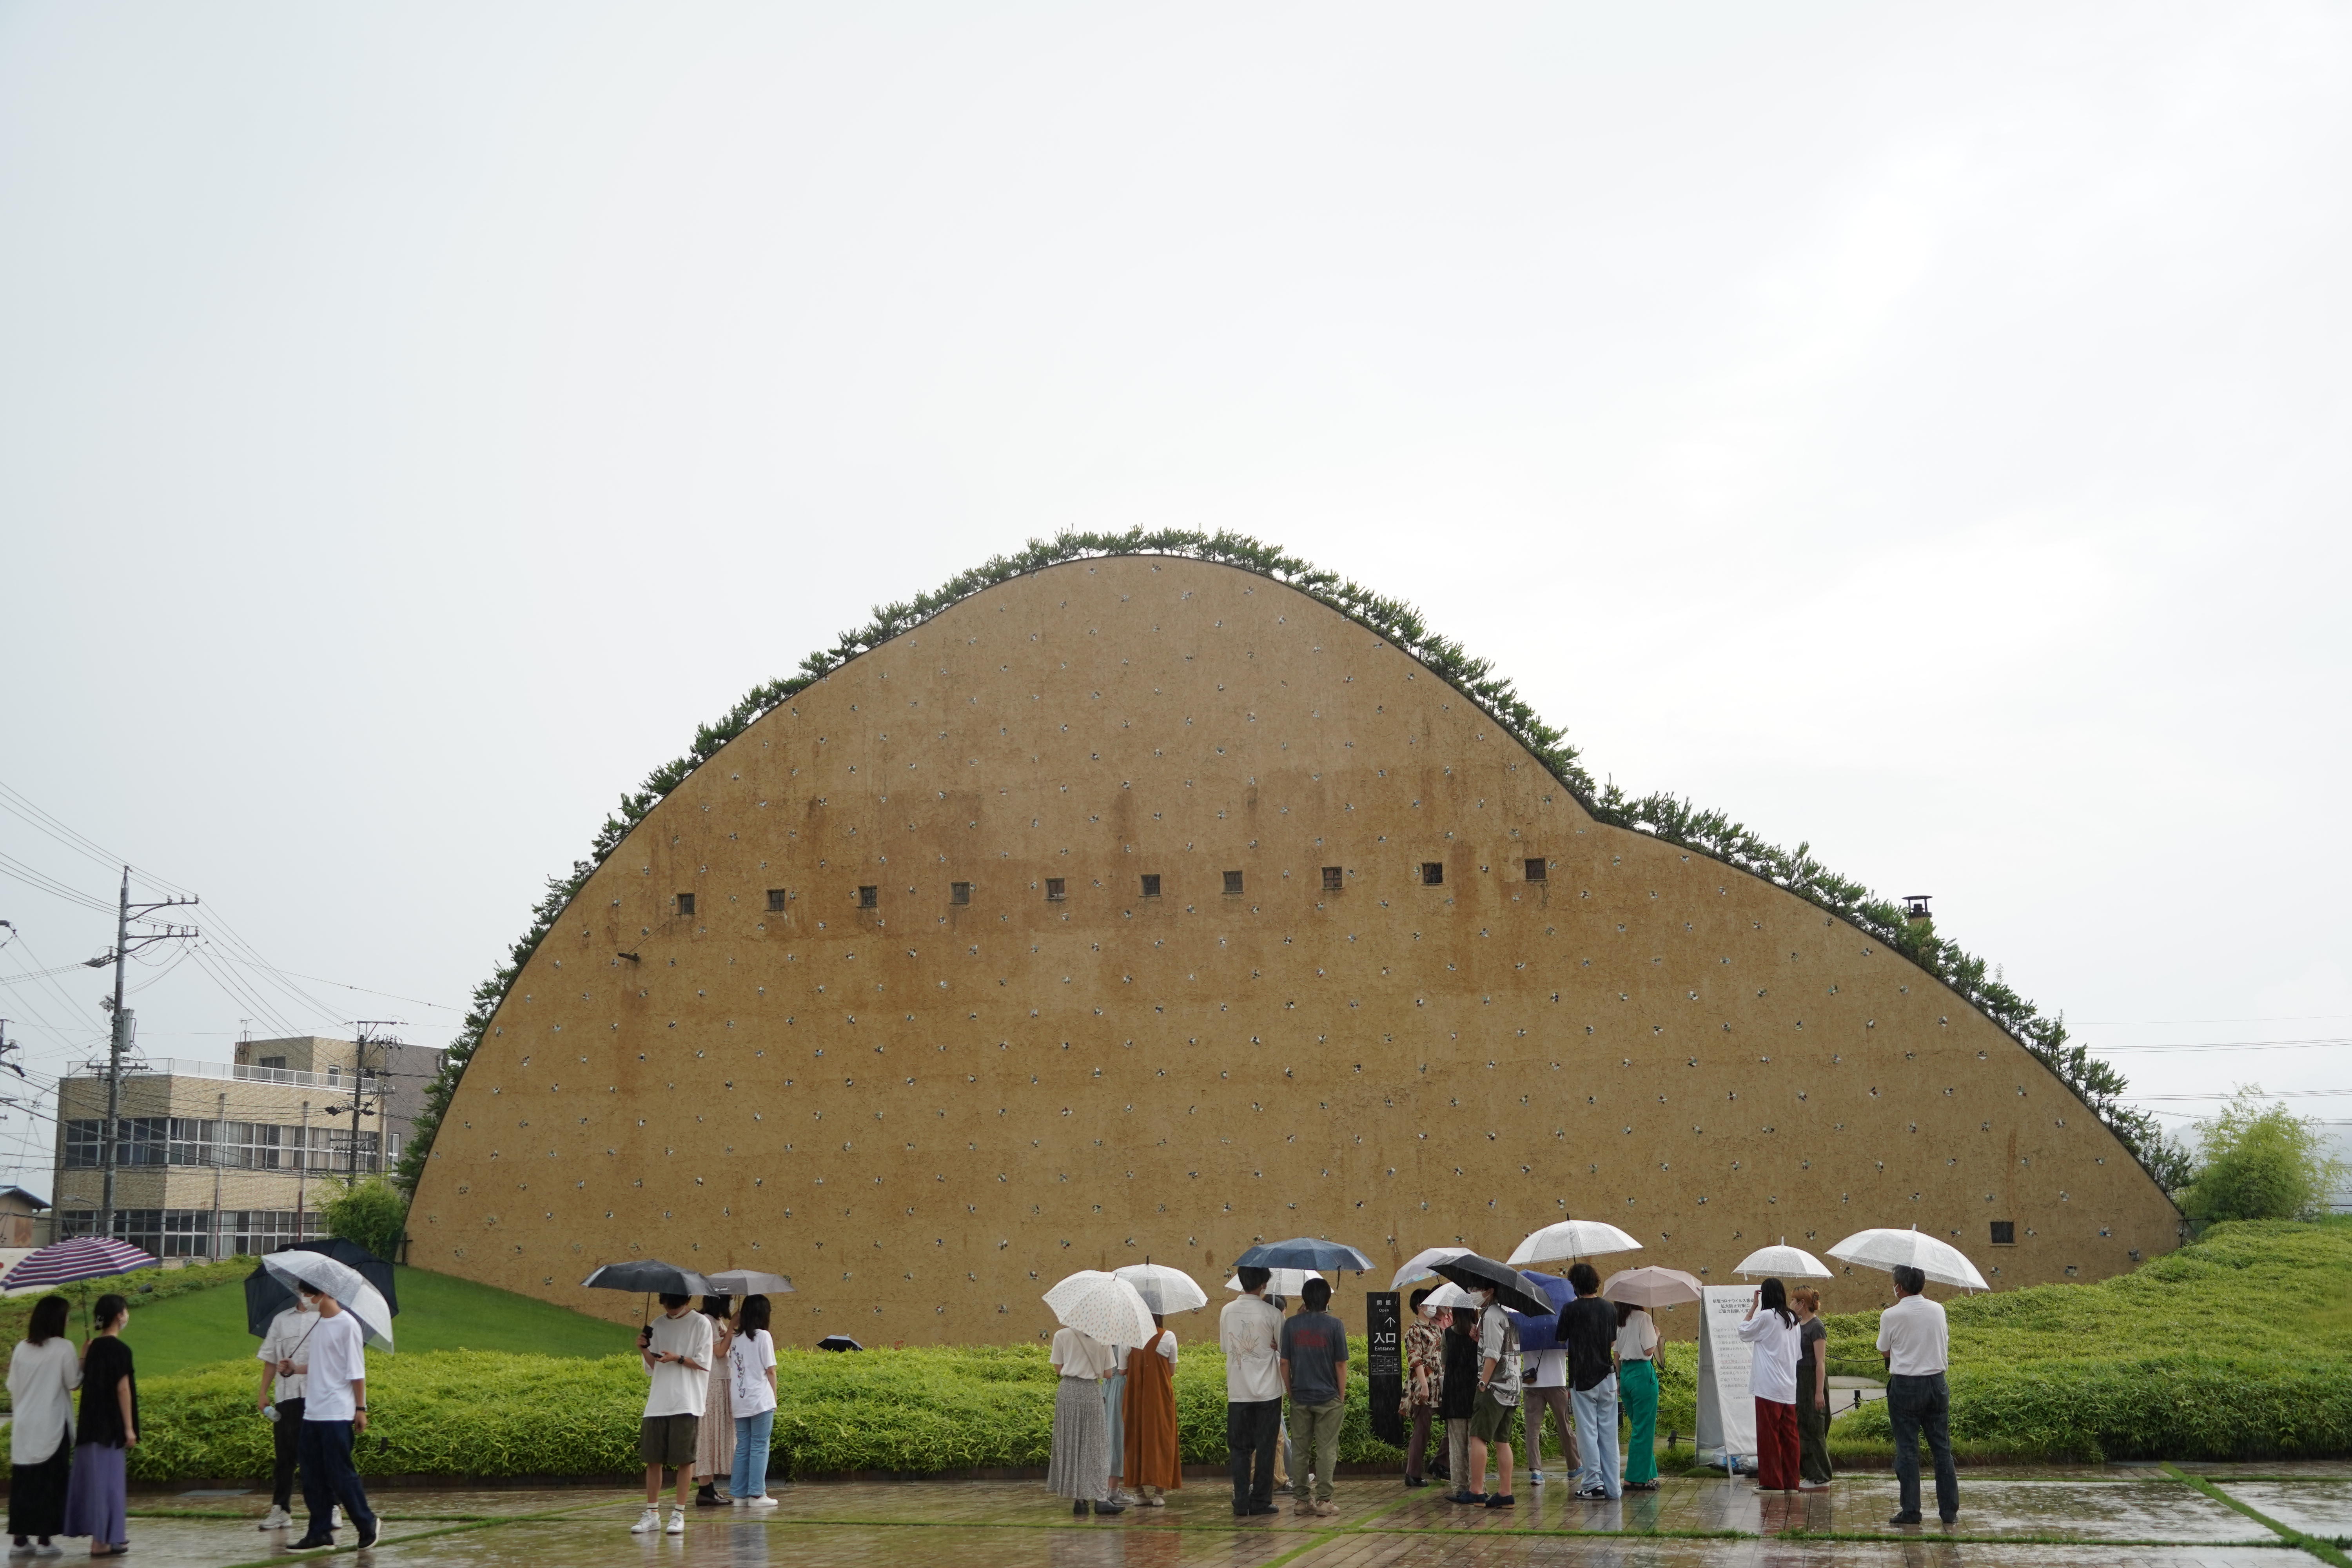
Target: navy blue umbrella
{"points": [[1540, 1331], [1304, 1252]]}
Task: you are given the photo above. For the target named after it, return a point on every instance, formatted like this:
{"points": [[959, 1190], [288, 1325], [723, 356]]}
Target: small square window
{"points": [[1432, 873], [1332, 878], [1055, 888], [686, 903], [775, 900], [1233, 881], [1535, 868], [958, 893], [2004, 1233], [278, 1063], [867, 898], [1152, 884]]}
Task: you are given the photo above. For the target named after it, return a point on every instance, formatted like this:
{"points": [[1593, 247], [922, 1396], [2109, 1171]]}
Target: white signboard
{"points": [[1727, 1411]]}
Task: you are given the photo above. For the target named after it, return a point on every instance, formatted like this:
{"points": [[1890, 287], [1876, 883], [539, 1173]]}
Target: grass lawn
{"points": [[438, 1312]]}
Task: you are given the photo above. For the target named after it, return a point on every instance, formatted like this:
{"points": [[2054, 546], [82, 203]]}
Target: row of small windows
{"points": [[1433, 875]]}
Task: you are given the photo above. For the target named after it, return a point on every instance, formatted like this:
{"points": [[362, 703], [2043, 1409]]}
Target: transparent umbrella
{"points": [[1571, 1238], [346, 1284], [1281, 1281], [1787, 1262], [1423, 1264], [1163, 1289]]}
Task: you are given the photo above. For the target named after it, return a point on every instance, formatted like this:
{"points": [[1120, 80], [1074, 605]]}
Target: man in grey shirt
{"points": [[1315, 1372]]}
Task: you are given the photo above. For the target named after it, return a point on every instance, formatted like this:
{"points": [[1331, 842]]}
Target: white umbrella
{"points": [[1286, 1281], [1163, 1289], [1572, 1238], [1940, 1261], [1423, 1264], [346, 1284], [1652, 1287], [1102, 1306], [1788, 1262], [1449, 1295]]}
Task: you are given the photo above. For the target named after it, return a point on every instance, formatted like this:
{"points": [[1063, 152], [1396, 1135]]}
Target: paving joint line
{"points": [[386, 1539], [2326, 1551]]}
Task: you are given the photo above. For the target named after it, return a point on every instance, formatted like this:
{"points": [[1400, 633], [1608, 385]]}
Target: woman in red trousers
{"points": [[1773, 1345]]}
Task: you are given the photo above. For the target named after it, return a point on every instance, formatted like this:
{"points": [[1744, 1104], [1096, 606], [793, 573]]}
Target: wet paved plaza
{"points": [[2088, 1518]]}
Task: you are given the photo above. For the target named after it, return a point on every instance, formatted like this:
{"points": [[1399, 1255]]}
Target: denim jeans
{"points": [[751, 1436], [1917, 1407], [1596, 1436]]}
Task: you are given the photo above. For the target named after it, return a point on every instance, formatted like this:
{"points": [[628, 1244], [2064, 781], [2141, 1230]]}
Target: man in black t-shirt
{"points": [[1588, 1328]]}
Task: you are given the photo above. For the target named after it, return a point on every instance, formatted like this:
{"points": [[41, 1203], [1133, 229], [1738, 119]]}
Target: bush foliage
{"points": [[2259, 1161], [2238, 1347], [370, 1212]]}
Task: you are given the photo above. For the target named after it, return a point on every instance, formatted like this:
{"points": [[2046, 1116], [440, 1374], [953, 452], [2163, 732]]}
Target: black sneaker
{"points": [[312, 1544], [1258, 1510], [371, 1534], [1079, 1508], [1902, 1519], [1101, 1507], [1469, 1497], [1593, 1494], [1502, 1500]]}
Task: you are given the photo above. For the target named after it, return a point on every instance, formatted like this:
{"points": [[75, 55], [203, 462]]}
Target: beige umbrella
{"points": [[1650, 1287]]}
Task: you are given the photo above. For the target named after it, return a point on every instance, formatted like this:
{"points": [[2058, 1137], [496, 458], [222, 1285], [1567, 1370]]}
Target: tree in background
{"points": [[2260, 1163], [370, 1212]]}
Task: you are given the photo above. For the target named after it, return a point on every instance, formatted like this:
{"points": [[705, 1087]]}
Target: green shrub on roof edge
{"points": [[1663, 815]]}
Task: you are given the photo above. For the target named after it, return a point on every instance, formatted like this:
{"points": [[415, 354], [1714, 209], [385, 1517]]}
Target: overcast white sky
{"points": [[1921, 432]]}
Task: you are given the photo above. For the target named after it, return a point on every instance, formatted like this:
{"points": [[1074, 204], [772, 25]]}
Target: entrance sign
{"points": [[1383, 1331], [1727, 1411]]}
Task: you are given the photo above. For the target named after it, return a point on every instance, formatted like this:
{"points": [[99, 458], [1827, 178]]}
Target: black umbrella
{"points": [[1304, 1252], [1511, 1288], [651, 1277], [266, 1295], [838, 1342]]}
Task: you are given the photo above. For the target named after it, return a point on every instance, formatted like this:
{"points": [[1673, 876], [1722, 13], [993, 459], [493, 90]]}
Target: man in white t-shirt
{"points": [[285, 1362], [1917, 1343], [675, 1349], [1250, 1331], [334, 1415]]}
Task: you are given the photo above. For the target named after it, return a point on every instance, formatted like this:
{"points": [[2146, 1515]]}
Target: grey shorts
{"points": [[669, 1440]]}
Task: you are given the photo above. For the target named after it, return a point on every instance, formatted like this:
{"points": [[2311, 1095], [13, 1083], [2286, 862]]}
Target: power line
{"points": [[2221, 1046]]}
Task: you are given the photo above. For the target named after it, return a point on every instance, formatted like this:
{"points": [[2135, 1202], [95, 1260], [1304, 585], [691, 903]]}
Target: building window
{"points": [[84, 1150], [686, 904], [1432, 873], [1535, 868], [1333, 879], [146, 1141], [2004, 1233], [867, 898], [1152, 884], [960, 893], [191, 1142], [275, 1063], [1055, 890], [1233, 881], [775, 900]]}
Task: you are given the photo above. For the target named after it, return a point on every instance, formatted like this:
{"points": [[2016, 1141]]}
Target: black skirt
{"points": [[36, 1493]]}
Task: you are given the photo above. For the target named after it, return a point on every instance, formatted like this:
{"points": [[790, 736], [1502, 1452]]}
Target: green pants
{"points": [[1315, 1436], [1637, 1389]]}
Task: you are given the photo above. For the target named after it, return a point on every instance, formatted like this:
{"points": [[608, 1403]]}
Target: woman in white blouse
{"points": [[1080, 1465], [1774, 1342], [43, 1372]]}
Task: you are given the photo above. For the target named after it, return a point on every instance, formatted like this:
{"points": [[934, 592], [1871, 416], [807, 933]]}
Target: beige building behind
{"points": [[222, 1158]]}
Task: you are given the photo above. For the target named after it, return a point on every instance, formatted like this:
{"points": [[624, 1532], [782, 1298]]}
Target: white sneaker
{"points": [[676, 1521], [762, 1500], [335, 1517], [275, 1519], [647, 1522]]}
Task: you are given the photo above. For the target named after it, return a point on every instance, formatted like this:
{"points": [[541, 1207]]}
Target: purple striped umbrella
{"points": [[78, 1257]]}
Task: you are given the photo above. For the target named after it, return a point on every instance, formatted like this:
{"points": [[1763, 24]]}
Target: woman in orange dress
{"points": [[1154, 1467]]}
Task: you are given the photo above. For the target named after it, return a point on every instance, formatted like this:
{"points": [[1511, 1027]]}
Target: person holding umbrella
{"points": [[1096, 1310], [43, 1372], [1249, 1331], [1916, 1343], [674, 1349], [1588, 1327], [1457, 1398], [1771, 1336], [751, 1372], [285, 1365], [1425, 1360], [334, 1415]]}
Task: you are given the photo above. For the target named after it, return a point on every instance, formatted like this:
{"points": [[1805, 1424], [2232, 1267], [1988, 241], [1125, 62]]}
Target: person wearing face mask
{"points": [[1425, 1360], [285, 1369]]}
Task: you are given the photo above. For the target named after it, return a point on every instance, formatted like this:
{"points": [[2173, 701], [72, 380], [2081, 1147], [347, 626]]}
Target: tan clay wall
{"points": [[926, 1114]]}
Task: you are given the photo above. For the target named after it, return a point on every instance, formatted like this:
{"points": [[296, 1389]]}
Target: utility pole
{"points": [[118, 1040], [365, 1086]]}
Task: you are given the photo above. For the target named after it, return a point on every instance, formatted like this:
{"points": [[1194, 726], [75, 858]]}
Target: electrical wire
{"points": [[2221, 1046]]}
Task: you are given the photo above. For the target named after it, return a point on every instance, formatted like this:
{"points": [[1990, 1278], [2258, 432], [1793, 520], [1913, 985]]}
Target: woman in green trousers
{"points": [[1637, 1390]]}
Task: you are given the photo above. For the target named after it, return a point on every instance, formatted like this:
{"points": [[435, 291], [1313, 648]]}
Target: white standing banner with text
{"points": [[1727, 1411]]}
